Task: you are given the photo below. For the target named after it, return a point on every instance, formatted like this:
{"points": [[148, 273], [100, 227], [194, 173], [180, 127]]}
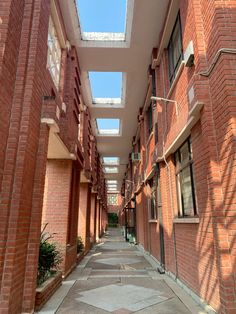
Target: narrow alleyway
{"points": [[116, 277]]}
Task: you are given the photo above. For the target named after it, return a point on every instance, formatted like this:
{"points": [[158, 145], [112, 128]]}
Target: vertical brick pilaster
{"points": [[30, 278], [92, 219], [88, 218], [99, 219], [84, 214], [95, 218], [28, 52]]}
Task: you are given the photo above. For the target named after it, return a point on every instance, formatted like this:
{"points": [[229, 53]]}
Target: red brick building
{"points": [[184, 179], [50, 167], [179, 185]]}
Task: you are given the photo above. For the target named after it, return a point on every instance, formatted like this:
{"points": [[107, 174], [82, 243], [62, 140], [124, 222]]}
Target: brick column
{"points": [[93, 217], [23, 55], [99, 219], [84, 214], [35, 225]]}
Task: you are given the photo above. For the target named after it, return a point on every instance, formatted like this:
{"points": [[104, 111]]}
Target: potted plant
{"points": [[48, 277], [80, 249]]}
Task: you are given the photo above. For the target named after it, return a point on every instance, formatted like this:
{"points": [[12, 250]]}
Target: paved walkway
{"points": [[115, 277]]}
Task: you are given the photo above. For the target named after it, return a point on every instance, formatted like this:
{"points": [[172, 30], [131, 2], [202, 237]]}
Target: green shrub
{"points": [[49, 257], [80, 245], [112, 218]]}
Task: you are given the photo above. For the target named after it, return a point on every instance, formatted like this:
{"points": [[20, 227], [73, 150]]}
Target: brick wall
{"points": [[202, 255], [22, 51], [58, 211], [28, 94], [84, 214]]}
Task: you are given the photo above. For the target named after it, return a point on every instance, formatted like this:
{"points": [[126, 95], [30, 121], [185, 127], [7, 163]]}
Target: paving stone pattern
{"points": [[116, 278]]}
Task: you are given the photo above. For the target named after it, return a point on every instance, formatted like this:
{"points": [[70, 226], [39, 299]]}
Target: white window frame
{"points": [[181, 166], [54, 53]]}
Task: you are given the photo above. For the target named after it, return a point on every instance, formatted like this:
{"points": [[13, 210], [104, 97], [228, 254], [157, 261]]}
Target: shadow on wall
{"points": [[206, 252], [220, 148], [213, 261]]}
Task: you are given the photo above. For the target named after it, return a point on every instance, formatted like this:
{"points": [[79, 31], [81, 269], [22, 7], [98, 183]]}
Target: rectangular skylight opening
{"points": [[106, 87], [112, 189], [112, 185], [114, 161], [108, 127], [104, 16], [112, 182], [111, 170]]}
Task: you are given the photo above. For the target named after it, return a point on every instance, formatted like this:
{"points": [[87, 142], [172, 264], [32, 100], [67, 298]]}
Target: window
{"points": [[112, 199], [185, 180], [156, 133], [139, 146], [175, 50], [54, 53], [153, 73], [152, 198], [149, 119]]}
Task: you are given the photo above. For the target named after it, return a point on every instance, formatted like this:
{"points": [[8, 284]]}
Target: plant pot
{"points": [[47, 289]]}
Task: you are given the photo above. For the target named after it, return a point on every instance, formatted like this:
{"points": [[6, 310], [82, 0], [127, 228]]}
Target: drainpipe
{"points": [[215, 60], [169, 174]]}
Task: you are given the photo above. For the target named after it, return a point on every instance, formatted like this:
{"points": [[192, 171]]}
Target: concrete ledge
{"points": [[46, 290], [190, 220], [103, 36], [53, 304], [153, 221], [202, 303], [69, 271], [80, 256]]}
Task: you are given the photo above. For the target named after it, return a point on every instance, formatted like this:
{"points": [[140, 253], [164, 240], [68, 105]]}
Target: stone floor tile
{"points": [[122, 311], [115, 277]]}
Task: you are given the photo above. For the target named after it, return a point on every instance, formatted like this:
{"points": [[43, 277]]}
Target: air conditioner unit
{"points": [[136, 157], [189, 55]]}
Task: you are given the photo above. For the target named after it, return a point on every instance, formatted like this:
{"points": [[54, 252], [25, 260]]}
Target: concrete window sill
{"points": [[153, 221], [190, 220]]}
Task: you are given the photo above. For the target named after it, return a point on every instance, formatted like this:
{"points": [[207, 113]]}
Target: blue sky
{"points": [[102, 15], [111, 160], [107, 124], [106, 84]]}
